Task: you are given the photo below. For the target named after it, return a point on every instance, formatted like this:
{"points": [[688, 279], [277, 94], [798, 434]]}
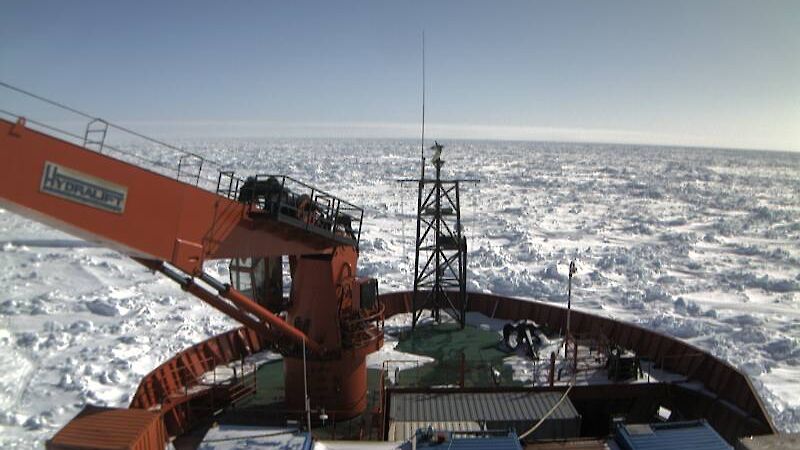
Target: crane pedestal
{"points": [[339, 386], [339, 311]]}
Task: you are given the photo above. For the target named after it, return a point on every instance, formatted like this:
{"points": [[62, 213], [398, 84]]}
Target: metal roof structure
{"points": [[111, 429], [478, 407], [696, 435], [456, 411]]}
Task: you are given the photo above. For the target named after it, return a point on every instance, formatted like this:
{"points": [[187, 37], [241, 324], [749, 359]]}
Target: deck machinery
{"points": [[173, 227]]}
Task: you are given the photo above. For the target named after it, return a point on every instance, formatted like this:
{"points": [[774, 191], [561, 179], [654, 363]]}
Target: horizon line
{"points": [[270, 129], [455, 131]]}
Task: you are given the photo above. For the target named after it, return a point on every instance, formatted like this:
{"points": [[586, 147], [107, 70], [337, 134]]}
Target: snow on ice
{"points": [[702, 244]]}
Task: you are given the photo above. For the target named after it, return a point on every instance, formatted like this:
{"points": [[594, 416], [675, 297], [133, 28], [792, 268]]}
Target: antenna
{"points": [[441, 244], [422, 140]]}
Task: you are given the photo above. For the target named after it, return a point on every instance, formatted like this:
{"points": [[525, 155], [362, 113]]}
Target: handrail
{"points": [[80, 140], [91, 117], [262, 176], [184, 159], [289, 198], [359, 331], [543, 369]]}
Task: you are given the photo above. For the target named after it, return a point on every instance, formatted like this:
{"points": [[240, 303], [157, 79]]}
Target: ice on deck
{"points": [[237, 437]]}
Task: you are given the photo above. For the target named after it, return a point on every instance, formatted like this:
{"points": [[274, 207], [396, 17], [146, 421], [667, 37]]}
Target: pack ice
{"points": [[702, 244]]}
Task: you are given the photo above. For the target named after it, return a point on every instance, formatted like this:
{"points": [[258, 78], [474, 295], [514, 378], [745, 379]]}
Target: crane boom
{"points": [[132, 209], [150, 217], [173, 227]]}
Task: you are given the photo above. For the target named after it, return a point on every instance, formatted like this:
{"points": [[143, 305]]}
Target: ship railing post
{"points": [[310, 218], [280, 197], [575, 349], [305, 387], [199, 172], [180, 164], [551, 377], [461, 371], [572, 270], [213, 388], [360, 221]]}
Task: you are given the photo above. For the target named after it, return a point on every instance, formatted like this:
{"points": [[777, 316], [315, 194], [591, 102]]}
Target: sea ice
{"points": [[703, 244]]}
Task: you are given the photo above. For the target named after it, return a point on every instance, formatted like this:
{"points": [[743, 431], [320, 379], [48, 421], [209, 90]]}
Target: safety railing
{"points": [[363, 328], [228, 184], [190, 168], [298, 202], [529, 372], [93, 133], [474, 373], [218, 387]]}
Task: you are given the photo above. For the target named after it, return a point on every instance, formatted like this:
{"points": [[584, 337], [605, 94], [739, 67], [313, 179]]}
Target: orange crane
{"points": [[173, 227]]}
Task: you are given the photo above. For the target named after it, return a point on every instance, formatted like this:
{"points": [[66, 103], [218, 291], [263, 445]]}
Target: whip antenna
{"points": [[422, 140], [441, 243]]}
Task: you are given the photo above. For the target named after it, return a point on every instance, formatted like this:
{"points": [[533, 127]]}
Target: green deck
{"points": [[446, 343], [449, 345]]}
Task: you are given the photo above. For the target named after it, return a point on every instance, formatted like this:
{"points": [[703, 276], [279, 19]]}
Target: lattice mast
{"points": [[440, 275]]}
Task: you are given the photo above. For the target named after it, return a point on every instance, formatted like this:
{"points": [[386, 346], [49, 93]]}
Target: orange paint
{"points": [[155, 219]]}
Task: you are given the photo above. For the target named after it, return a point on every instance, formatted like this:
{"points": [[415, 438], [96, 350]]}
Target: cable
{"points": [[105, 146], [44, 125], [46, 100], [541, 421], [112, 125], [203, 160]]}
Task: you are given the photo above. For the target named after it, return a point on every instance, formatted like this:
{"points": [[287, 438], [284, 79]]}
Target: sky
{"points": [[708, 73]]}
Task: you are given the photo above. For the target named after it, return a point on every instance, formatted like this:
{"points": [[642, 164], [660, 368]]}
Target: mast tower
{"points": [[440, 262]]}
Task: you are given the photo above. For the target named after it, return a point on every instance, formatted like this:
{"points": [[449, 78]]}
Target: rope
{"points": [[46, 100], [203, 160], [44, 125], [112, 125], [541, 421]]}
